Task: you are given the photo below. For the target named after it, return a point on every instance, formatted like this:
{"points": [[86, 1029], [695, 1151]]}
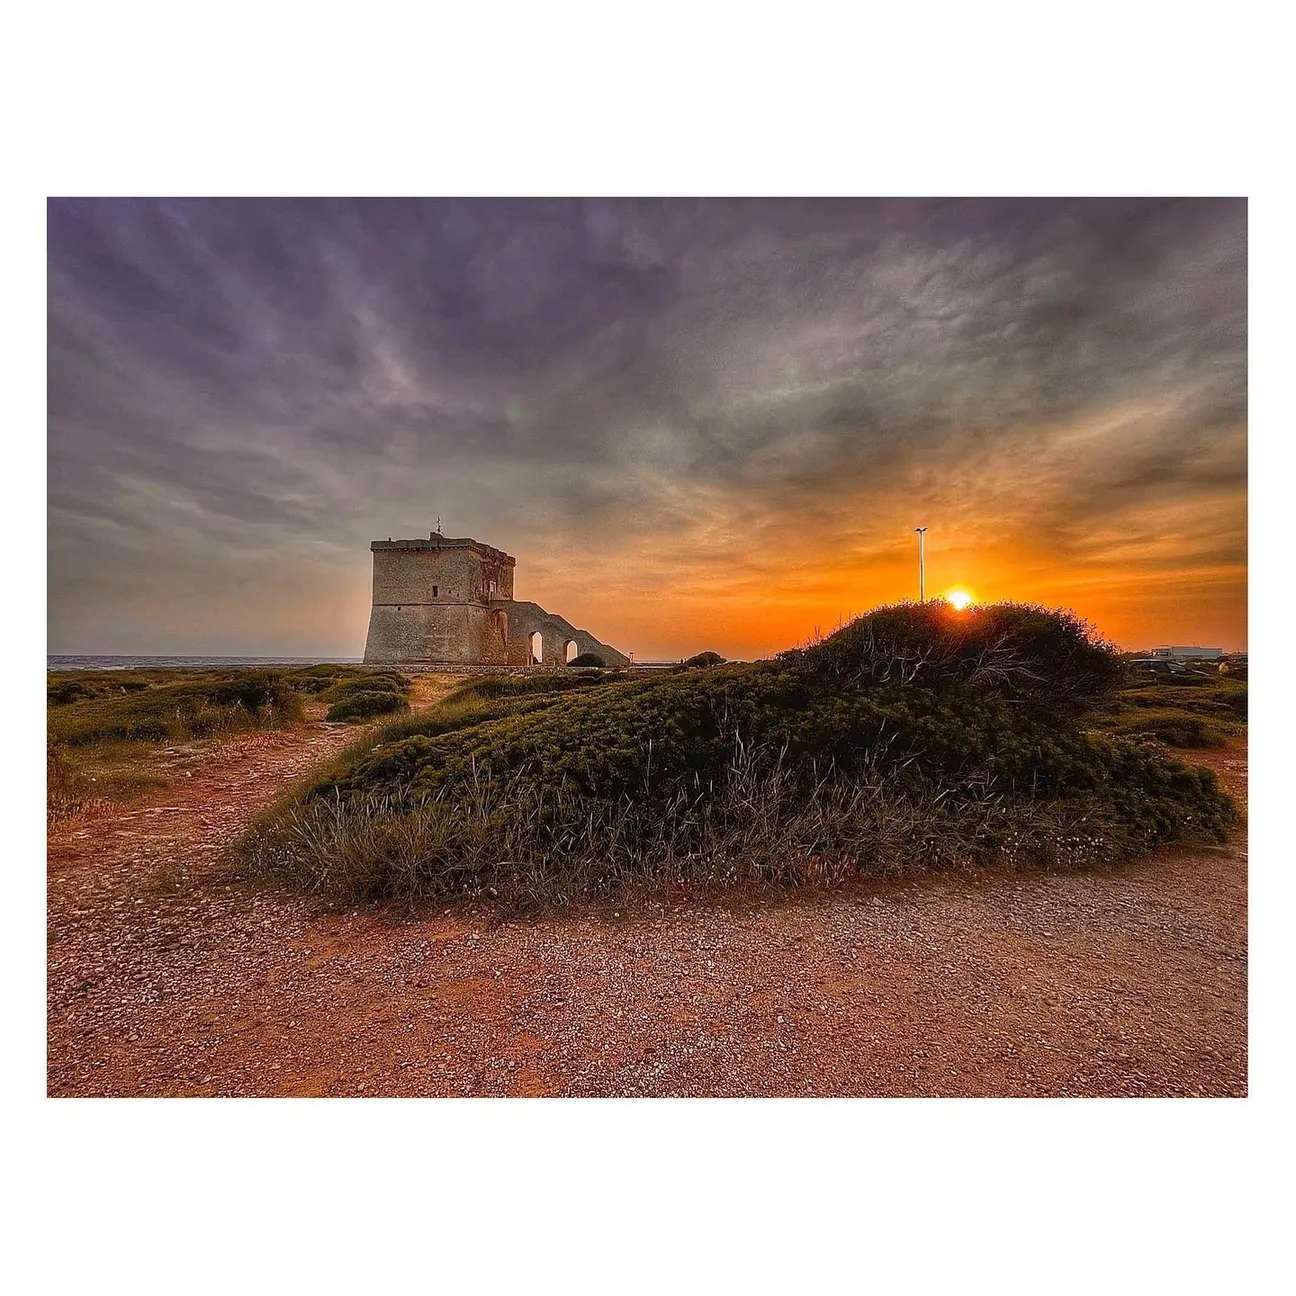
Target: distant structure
{"points": [[449, 602], [1188, 654]]}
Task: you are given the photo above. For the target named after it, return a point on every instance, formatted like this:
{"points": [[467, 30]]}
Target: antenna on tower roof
{"points": [[438, 530]]}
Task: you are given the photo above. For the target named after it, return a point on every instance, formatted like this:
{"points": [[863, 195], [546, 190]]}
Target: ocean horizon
{"points": [[109, 661]]}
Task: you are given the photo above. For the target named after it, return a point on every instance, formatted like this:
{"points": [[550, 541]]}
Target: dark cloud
{"points": [[243, 393]]}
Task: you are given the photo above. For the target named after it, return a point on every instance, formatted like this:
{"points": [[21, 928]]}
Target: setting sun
{"points": [[959, 599]]}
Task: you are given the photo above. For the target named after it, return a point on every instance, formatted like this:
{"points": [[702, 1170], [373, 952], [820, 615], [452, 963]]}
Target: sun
{"points": [[959, 599]]}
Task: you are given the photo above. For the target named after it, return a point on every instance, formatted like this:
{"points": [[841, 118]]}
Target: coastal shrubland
{"points": [[363, 696], [106, 730], [704, 659], [914, 738], [1185, 711], [163, 707]]}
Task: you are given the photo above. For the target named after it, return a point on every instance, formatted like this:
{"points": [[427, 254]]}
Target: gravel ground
{"points": [[168, 976]]}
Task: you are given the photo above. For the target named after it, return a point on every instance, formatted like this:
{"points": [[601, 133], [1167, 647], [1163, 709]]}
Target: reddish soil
{"points": [[169, 976]]}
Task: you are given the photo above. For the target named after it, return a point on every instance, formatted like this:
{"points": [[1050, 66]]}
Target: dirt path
{"points": [[169, 977]]}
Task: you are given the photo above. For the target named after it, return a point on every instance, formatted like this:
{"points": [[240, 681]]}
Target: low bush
{"points": [[1049, 658], [387, 682], [873, 751], [61, 692], [316, 679], [366, 695], [1178, 711], [705, 659], [360, 704], [63, 687], [587, 659], [1174, 728], [196, 707]]}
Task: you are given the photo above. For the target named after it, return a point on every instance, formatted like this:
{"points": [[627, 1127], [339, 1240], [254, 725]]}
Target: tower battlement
{"points": [[436, 542]]}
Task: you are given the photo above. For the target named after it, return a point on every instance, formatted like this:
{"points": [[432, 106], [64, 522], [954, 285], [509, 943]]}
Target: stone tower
{"points": [[449, 602]]}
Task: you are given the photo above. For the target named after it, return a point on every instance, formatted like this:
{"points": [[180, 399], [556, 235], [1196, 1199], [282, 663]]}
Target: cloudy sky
{"points": [[697, 424]]}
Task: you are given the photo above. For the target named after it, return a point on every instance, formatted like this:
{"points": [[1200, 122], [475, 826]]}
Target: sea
{"points": [[63, 661]]}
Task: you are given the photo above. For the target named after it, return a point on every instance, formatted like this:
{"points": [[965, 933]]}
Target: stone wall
{"points": [[456, 632], [450, 601], [555, 633], [402, 577]]}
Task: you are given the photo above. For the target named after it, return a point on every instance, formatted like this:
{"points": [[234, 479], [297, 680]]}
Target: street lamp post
{"points": [[921, 573]]}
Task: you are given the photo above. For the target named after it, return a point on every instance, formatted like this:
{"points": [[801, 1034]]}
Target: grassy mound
{"points": [[705, 659], [161, 708], [317, 679], [104, 727], [364, 704], [1172, 727], [587, 659], [365, 695], [913, 738], [1043, 657], [1192, 711]]}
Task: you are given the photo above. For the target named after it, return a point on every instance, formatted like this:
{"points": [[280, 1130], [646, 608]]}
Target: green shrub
{"points": [[315, 679], [61, 692], [873, 751], [194, 708], [1049, 658], [1174, 728], [396, 685], [587, 659], [71, 686], [705, 659], [362, 705]]}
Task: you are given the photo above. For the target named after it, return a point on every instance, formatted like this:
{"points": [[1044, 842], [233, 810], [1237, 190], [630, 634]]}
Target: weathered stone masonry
{"points": [[449, 602]]}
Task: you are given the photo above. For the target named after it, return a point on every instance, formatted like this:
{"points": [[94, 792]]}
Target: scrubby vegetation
{"points": [[363, 696], [1047, 659], [105, 727], [587, 659], [705, 659], [1179, 710], [915, 737], [179, 710], [364, 704]]}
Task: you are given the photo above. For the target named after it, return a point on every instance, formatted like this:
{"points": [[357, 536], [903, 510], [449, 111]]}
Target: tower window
{"points": [[435, 589]]}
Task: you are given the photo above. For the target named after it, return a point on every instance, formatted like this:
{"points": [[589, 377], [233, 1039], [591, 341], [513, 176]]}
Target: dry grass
{"points": [[910, 740], [1192, 712], [81, 779], [530, 846], [115, 735]]}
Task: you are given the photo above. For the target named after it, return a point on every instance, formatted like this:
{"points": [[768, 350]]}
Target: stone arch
{"points": [[570, 649], [535, 648]]}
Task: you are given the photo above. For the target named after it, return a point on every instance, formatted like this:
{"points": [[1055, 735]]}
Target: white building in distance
{"points": [[1188, 654]]}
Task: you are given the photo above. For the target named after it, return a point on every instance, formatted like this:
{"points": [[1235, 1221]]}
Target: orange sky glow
{"points": [[696, 424]]}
